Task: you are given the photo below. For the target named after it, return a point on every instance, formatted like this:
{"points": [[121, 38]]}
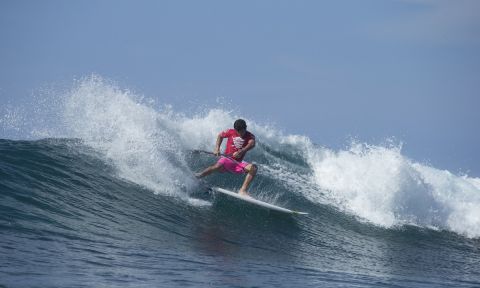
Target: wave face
{"points": [[109, 196]]}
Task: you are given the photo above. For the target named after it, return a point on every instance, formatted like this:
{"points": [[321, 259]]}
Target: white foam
{"points": [[199, 202], [380, 185], [460, 197], [133, 136]]}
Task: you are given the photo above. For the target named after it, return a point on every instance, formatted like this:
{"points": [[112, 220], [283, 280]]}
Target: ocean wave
{"points": [[150, 147]]}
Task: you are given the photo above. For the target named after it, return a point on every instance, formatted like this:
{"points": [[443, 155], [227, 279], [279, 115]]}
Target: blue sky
{"points": [[330, 70]]}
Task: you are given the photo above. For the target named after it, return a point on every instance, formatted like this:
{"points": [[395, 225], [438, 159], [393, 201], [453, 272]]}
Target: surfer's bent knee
{"points": [[252, 169]]}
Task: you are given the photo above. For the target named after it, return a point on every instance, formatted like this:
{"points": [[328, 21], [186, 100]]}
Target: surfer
{"points": [[239, 142]]}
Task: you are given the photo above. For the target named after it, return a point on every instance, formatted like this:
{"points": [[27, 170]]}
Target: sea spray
{"points": [[380, 185], [460, 196], [133, 136]]}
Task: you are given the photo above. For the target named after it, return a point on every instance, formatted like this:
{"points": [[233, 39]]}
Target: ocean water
{"points": [[101, 193]]}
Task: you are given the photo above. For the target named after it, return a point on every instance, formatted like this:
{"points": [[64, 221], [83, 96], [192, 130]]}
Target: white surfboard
{"points": [[254, 201]]}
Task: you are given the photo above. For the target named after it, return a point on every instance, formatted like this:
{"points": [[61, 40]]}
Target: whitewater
{"points": [[97, 155]]}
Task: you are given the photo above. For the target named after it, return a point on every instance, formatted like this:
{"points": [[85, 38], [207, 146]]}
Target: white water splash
{"points": [[133, 136], [382, 186]]}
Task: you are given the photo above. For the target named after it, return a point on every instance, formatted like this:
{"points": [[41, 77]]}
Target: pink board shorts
{"points": [[232, 166]]}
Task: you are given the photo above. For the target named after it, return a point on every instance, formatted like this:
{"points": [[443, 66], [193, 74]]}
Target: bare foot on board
{"points": [[244, 193]]}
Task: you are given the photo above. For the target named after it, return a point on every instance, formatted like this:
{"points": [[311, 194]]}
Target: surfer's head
{"points": [[241, 126]]}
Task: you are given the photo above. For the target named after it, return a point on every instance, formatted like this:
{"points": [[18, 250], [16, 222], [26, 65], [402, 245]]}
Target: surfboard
{"points": [[257, 202]]}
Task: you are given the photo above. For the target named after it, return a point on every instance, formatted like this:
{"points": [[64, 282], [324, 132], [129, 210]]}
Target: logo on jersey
{"points": [[238, 142]]}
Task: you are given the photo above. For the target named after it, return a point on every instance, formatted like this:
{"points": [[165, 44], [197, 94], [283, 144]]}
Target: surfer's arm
{"points": [[244, 150], [216, 151]]}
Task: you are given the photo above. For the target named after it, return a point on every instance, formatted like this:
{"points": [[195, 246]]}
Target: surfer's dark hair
{"points": [[240, 124]]}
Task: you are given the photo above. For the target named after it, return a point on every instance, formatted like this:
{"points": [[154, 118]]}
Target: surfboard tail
{"points": [[300, 213]]}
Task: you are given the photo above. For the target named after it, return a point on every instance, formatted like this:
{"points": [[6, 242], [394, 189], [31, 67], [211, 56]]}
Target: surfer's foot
{"points": [[243, 193], [198, 175]]}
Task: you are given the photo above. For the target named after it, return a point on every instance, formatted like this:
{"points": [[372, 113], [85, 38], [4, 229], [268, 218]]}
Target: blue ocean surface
{"points": [[111, 201]]}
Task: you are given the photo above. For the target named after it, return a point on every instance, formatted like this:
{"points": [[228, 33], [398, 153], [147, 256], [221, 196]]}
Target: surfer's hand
{"points": [[238, 154], [216, 152]]}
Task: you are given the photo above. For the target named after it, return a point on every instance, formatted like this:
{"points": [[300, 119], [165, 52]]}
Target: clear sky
{"points": [[330, 70]]}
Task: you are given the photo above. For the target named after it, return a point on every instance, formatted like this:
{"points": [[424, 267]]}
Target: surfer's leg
{"points": [[251, 170], [209, 170]]}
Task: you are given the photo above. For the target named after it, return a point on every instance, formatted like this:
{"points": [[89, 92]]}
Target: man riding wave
{"points": [[239, 142]]}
